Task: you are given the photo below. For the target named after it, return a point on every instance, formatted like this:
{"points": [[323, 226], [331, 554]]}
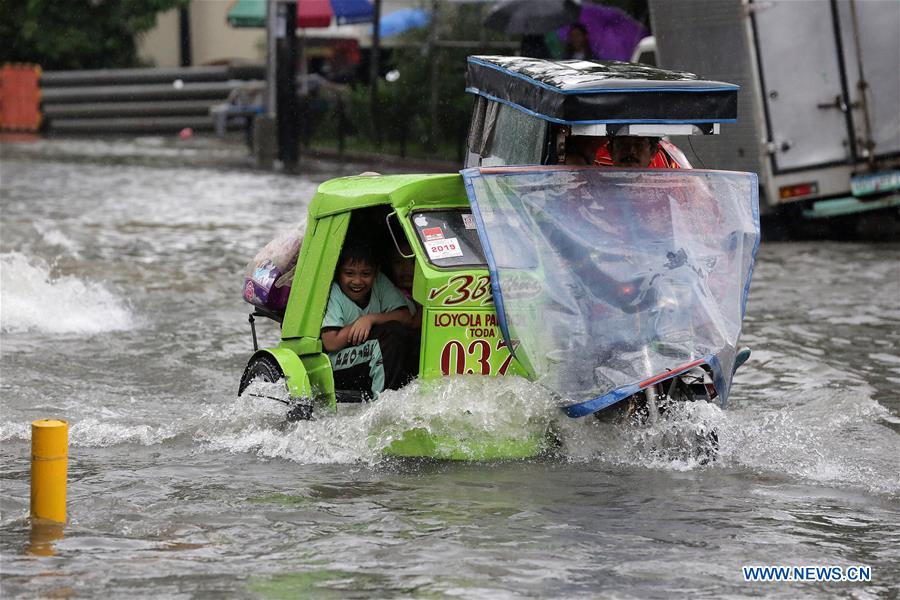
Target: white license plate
{"points": [[874, 183]]}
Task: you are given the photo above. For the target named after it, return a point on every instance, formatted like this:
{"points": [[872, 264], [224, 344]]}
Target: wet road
{"points": [[120, 311]]}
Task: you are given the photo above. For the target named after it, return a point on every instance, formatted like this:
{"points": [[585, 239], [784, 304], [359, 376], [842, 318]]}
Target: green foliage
{"points": [[445, 68], [76, 34], [404, 111]]}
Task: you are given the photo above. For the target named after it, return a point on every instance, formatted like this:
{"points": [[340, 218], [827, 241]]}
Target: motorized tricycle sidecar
{"points": [[613, 288]]}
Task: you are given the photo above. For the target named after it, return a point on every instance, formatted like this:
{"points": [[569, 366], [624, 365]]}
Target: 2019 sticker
{"points": [[443, 248]]}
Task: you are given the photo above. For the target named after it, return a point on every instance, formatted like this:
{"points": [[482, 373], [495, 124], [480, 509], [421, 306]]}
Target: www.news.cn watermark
{"points": [[856, 573]]}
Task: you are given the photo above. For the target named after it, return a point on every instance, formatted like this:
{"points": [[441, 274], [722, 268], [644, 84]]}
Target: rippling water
{"points": [[120, 311]]}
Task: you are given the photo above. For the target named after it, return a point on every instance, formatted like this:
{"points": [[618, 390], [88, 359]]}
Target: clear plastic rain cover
{"points": [[604, 279]]}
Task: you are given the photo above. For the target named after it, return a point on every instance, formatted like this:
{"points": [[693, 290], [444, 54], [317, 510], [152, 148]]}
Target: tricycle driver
{"points": [[364, 330], [622, 151]]}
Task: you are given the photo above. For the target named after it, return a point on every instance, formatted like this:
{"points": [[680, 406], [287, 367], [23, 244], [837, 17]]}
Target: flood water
{"points": [[121, 313]]}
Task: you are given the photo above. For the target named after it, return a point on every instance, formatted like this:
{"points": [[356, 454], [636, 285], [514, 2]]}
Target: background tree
{"points": [[405, 103], [77, 34]]}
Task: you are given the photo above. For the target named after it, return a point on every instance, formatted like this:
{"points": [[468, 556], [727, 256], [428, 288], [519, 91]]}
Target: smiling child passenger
{"points": [[363, 329]]}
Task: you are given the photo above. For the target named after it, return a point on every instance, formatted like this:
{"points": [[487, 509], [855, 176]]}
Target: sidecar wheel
{"points": [[266, 369], [263, 368]]}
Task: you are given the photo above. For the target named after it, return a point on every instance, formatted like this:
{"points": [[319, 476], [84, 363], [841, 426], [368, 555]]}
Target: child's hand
{"points": [[359, 330]]}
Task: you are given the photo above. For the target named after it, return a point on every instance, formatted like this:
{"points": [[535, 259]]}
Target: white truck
{"points": [[819, 108]]}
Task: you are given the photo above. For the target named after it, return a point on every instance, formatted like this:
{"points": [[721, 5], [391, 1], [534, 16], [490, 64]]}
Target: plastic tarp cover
{"points": [[605, 278]]}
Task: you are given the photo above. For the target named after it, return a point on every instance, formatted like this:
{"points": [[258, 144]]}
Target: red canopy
{"points": [[319, 13], [314, 13]]}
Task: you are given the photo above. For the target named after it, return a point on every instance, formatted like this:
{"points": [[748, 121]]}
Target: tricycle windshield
{"points": [[607, 278], [449, 237]]}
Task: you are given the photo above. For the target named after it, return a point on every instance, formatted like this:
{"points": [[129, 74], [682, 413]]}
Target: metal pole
{"points": [[303, 128], [433, 78], [373, 72], [286, 86], [843, 104], [184, 37], [271, 54], [863, 86], [253, 332], [342, 124]]}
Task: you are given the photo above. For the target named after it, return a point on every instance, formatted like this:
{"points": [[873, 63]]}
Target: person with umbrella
{"points": [[532, 20], [578, 46]]}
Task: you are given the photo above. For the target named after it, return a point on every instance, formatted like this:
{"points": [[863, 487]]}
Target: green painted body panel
{"points": [[400, 191], [464, 341], [307, 376], [474, 445], [312, 279], [294, 371], [459, 325], [302, 345], [321, 378]]}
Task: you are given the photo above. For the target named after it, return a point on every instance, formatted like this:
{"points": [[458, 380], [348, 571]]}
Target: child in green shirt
{"points": [[364, 329]]}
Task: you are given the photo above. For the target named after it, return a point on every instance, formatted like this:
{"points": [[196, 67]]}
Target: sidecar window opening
{"points": [[368, 226]]}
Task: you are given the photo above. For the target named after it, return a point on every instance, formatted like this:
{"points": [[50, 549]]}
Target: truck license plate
{"points": [[874, 183]]}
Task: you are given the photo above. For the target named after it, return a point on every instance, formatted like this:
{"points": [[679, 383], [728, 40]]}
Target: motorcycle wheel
{"points": [[702, 445]]}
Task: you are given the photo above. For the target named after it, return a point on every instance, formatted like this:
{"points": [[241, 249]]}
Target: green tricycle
{"points": [[621, 291]]}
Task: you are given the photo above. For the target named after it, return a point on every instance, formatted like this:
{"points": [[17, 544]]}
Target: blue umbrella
{"points": [[352, 11], [403, 20]]}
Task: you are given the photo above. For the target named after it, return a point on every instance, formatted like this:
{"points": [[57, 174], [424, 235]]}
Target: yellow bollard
{"points": [[43, 537], [49, 462]]}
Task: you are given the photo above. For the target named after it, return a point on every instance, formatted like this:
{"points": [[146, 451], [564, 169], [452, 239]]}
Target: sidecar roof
{"points": [[400, 191], [581, 92]]}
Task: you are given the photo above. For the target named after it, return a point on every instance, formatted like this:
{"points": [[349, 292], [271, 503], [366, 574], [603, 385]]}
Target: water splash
{"points": [[12, 431], [466, 417], [34, 300], [836, 438], [257, 424], [93, 433], [509, 409], [54, 237], [681, 440], [821, 441]]}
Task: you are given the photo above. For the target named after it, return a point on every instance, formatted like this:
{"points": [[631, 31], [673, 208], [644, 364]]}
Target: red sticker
{"points": [[433, 233]]}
